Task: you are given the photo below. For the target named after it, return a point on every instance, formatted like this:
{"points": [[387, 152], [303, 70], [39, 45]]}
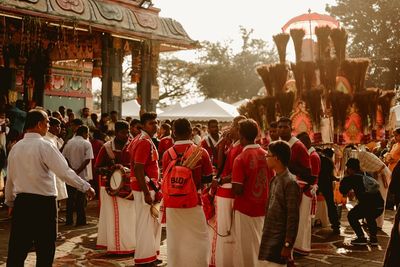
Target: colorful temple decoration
{"points": [[332, 103]]}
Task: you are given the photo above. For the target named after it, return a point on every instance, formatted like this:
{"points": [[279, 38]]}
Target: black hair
{"points": [[147, 116], [328, 152], [83, 129], [77, 122], [167, 128], [281, 149], [397, 130], [121, 125], [33, 117], [54, 121], [134, 122], [273, 124], [113, 112], [304, 137], [237, 119], [248, 128], [197, 129], [97, 134], [182, 127], [285, 120], [353, 164], [212, 121], [55, 113]]}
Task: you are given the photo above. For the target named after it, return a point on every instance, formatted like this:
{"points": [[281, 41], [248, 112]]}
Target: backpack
{"points": [[370, 184], [178, 187]]}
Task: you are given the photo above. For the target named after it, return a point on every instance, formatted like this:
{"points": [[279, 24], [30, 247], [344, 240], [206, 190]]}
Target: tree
{"points": [[231, 76], [374, 32], [177, 80]]}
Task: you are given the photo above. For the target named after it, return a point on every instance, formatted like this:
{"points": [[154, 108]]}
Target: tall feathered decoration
{"points": [[297, 37], [270, 108], [285, 101], [263, 71], [313, 101], [298, 72], [278, 76], [309, 74], [281, 40], [340, 102], [339, 38], [331, 73], [322, 34]]}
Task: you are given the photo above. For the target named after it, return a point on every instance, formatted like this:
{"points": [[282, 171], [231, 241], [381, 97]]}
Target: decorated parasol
{"points": [[309, 21]]}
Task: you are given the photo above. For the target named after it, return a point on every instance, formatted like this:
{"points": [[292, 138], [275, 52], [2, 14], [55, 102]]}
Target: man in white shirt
{"points": [[31, 192], [78, 152], [52, 136], [87, 120]]}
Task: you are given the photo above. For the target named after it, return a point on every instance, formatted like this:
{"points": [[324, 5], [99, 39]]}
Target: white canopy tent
{"points": [[241, 102], [209, 109], [131, 109], [171, 108]]}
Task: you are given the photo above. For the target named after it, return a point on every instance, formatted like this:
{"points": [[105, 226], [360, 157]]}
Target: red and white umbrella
{"points": [[310, 21]]}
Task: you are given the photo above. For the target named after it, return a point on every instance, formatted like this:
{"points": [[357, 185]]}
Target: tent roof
{"points": [[130, 108], [241, 102], [209, 109], [170, 108]]}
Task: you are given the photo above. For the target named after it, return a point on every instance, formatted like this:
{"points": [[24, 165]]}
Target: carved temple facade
{"points": [[51, 49]]}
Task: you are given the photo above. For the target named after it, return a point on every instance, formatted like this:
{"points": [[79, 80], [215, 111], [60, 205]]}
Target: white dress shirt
{"points": [[76, 151], [62, 192], [32, 165]]}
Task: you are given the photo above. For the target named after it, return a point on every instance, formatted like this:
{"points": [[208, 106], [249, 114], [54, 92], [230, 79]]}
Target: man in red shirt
{"points": [[117, 215], [300, 166], [304, 233], [166, 140], [210, 141], [145, 173], [187, 231], [224, 197], [250, 178]]}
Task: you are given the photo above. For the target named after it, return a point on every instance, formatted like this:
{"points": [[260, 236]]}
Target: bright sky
{"points": [[219, 20]]}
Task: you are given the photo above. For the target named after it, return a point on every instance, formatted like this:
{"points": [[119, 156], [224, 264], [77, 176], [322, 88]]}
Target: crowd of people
{"points": [[227, 196]]}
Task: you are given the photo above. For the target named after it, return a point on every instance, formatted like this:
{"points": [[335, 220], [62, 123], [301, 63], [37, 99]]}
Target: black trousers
{"points": [[369, 213], [76, 202], [330, 204], [33, 224]]}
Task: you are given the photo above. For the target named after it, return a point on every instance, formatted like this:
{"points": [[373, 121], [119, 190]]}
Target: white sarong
{"points": [[225, 241], [116, 224], [148, 231], [247, 234], [384, 191], [302, 244], [187, 237]]}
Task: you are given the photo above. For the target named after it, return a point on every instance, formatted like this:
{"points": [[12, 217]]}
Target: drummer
{"points": [[117, 215]]}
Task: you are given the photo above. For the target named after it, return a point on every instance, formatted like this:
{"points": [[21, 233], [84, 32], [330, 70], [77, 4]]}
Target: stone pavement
{"points": [[327, 249]]}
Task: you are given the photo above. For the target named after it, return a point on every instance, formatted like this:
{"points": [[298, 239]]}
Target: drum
{"points": [[119, 184]]}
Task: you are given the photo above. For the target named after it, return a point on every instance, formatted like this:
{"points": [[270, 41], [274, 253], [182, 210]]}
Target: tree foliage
{"points": [[374, 31], [230, 76], [177, 79]]}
